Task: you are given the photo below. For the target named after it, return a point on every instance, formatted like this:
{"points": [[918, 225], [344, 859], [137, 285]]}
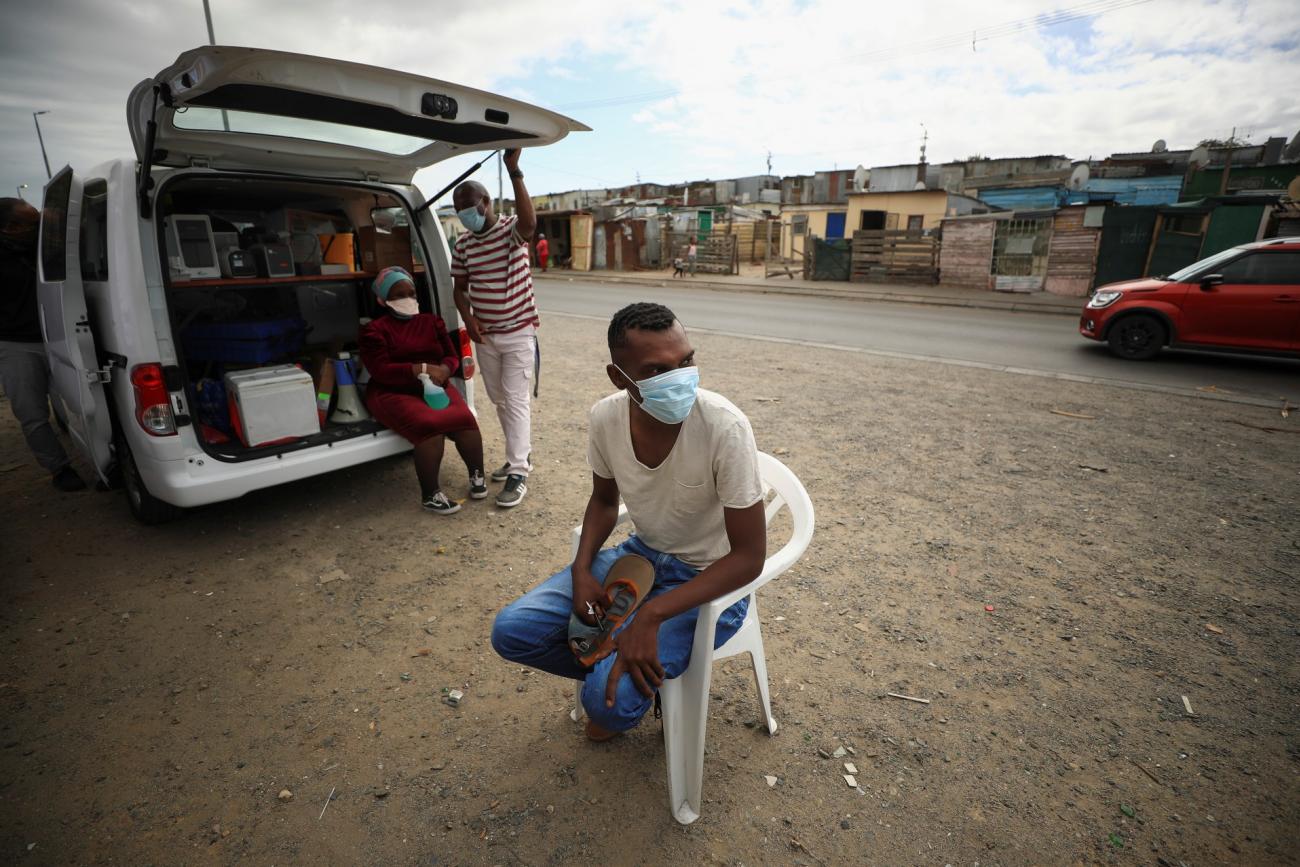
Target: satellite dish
{"points": [[1199, 158], [1159, 147], [1079, 177], [1293, 189], [860, 176]]}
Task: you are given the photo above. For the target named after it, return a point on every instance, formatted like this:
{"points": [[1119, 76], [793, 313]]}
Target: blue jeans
{"points": [[534, 629]]}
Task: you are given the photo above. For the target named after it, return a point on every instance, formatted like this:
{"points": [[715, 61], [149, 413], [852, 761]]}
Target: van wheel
{"points": [[1137, 338], [145, 507]]}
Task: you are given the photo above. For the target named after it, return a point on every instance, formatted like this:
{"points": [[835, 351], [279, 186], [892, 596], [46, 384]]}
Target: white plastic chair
{"points": [[685, 699]]}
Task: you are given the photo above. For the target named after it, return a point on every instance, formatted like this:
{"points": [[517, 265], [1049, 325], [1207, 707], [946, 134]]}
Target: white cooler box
{"points": [[274, 403]]}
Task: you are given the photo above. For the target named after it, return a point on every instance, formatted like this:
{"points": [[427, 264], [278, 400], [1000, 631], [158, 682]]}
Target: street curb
{"points": [[836, 293], [1222, 397]]}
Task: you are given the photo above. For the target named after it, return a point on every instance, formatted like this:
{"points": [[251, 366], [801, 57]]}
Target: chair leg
{"points": [[759, 661], [684, 732], [578, 711]]}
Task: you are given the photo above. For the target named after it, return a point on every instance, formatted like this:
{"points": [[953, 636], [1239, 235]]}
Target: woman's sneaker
{"points": [[477, 485], [439, 503]]}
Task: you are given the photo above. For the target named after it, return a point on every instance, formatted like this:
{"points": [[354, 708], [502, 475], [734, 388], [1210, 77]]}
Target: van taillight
{"points": [[153, 405], [466, 354]]}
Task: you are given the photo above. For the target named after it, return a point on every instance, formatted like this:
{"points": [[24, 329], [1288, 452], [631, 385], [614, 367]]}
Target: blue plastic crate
{"points": [[244, 342]]}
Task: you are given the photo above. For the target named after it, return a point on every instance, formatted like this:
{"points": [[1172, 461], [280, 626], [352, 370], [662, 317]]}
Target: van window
{"points": [[94, 232], [54, 228]]}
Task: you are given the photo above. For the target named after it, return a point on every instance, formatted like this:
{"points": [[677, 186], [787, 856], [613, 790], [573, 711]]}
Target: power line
{"points": [[971, 37]]}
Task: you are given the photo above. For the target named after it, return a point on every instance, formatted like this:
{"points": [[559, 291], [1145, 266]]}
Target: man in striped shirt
{"points": [[493, 288]]}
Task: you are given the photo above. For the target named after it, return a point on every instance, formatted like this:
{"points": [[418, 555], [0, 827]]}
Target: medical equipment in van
{"points": [[272, 259], [191, 249]]}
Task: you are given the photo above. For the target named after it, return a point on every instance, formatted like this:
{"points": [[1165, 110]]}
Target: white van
{"points": [[266, 190]]}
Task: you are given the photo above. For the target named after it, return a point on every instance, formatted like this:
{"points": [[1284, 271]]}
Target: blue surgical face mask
{"points": [[472, 219], [669, 396]]}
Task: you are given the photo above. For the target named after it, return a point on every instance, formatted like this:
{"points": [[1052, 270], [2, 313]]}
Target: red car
{"points": [[1246, 298]]}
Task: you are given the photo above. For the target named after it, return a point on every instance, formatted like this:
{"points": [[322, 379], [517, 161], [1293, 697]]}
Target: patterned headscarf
{"points": [[386, 279]]}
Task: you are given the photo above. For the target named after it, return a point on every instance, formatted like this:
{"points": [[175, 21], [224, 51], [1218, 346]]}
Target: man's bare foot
{"points": [[597, 734]]}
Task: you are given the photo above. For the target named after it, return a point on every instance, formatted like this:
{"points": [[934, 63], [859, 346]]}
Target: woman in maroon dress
{"points": [[395, 349]]}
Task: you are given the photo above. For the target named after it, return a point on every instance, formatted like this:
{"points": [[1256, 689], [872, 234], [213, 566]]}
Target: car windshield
{"points": [[1204, 265], [255, 123]]}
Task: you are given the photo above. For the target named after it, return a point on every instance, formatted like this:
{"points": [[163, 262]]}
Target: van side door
{"points": [[76, 378]]}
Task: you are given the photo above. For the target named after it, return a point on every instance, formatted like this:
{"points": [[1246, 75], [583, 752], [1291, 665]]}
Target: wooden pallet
{"points": [[886, 256]]}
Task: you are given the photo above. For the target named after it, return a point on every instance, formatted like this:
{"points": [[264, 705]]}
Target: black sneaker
{"points": [[67, 480], [439, 503], [513, 493], [477, 486]]}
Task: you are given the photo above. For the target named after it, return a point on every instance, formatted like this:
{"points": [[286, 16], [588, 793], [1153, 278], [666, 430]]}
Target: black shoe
{"points": [[513, 493], [477, 486], [67, 480], [439, 503]]}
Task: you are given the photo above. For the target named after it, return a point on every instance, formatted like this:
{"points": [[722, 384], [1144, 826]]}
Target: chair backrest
{"points": [[788, 492]]}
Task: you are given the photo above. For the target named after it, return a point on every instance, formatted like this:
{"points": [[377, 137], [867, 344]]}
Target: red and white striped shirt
{"points": [[500, 280]]}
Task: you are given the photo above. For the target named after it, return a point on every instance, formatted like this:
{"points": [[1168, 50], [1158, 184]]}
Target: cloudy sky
{"points": [[677, 90]]}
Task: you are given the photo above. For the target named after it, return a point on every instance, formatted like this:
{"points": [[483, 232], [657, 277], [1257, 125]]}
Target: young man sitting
{"points": [[684, 461]]}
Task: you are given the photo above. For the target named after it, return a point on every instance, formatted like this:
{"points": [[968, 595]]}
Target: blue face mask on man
{"points": [[669, 396], [472, 219]]}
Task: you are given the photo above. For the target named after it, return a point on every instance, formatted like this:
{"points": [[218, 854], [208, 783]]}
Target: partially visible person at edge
{"points": [[396, 349], [684, 461], [692, 252], [543, 251], [493, 288], [24, 369]]}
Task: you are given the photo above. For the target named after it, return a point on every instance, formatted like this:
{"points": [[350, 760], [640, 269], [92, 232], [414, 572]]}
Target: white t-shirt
{"points": [[677, 506]]}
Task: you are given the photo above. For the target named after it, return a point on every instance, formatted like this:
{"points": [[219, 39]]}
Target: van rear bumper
{"points": [[200, 479]]}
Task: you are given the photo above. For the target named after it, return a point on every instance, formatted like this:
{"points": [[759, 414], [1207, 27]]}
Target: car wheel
{"points": [[145, 507], [1137, 337]]}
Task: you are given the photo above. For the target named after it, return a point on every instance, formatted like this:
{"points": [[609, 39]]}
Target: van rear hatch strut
{"points": [[145, 181]]}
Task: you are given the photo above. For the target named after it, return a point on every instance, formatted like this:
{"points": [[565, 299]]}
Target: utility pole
{"points": [[36, 119], [769, 162], [212, 40], [20, 189], [1227, 164]]}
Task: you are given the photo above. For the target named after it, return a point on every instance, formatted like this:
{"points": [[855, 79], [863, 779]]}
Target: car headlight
{"points": [[1104, 298]]}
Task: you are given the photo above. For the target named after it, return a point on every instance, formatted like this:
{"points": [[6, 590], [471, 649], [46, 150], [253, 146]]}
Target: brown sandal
{"points": [[626, 586]]}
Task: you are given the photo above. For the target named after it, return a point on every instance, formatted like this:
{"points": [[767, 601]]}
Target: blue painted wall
{"points": [[1162, 190]]}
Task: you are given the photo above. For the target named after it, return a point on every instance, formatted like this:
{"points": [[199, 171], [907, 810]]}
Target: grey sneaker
{"points": [[438, 502], [501, 473], [477, 485], [513, 493]]}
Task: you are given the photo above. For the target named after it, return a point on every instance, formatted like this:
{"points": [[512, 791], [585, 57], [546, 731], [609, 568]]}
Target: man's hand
{"points": [[638, 655], [474, 329], [511, 159], [587, 590]]}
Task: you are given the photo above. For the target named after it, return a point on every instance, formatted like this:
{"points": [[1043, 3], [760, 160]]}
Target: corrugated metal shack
{"points": [[966, 251], [1072, 252]]}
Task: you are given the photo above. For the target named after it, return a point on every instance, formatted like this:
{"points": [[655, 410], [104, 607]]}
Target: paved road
{"points": [[1042, 343]]}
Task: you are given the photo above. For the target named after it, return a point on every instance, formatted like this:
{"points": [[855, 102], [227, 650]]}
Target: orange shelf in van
{"points": [[257, 281]]}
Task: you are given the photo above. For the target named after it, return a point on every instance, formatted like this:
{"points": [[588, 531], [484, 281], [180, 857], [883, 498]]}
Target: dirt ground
{"points": [[1054, 586]]}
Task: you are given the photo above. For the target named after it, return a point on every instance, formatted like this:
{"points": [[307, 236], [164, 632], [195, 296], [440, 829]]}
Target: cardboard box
{"points": [[379, 250]]}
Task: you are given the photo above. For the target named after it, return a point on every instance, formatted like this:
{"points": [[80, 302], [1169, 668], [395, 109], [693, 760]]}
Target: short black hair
{"points": [[644, 316], [9, 208]]}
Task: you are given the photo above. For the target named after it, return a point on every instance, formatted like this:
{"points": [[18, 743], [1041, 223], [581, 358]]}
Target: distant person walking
{"points": [[493, 289], [543, 251], [24, 370], [691, 252]]}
